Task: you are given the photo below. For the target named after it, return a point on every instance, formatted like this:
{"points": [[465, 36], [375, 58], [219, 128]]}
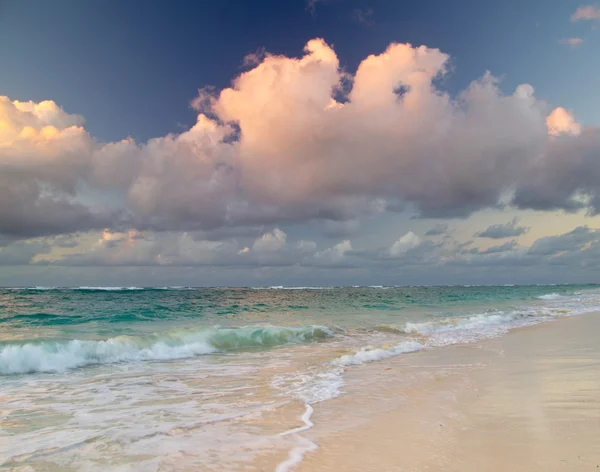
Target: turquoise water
{"points": [[86, 373]]}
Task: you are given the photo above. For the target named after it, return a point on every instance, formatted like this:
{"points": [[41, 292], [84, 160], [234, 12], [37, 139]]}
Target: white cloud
{"points": [[334, 254], [409, 241], [271, 241]]}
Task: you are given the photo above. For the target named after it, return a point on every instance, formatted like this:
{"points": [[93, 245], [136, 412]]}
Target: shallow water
{"points": [[216, 378]]}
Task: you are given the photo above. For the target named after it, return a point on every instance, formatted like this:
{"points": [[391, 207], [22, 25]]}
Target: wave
{"points": [[369, 354], [99, 288], [41, 288], [107, 289], [59, 356], [551, 296], [283, 287]]}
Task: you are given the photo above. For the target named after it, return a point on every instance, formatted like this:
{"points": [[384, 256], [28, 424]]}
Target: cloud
{"points": [[254, 58], [409, 241], [299, 261], [437, 230], [586, 12], [562, 122], [507, 246], [572, 241], [573, 42], [276, 147], [271, 241], [334, 255], [501, 231], [22, 252]]}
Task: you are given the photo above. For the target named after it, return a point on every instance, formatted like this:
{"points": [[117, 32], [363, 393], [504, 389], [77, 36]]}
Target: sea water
{"points": [[182, 378]]}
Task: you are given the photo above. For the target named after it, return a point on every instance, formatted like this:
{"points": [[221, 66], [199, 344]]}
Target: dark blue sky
{"points": [[131, 68]]}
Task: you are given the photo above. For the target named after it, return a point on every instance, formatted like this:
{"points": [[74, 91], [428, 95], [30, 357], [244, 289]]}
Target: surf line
{"points": [[297, 454]]}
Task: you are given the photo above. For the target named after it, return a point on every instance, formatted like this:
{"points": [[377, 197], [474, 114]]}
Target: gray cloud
{"points": [[437, 230], [572, 241], [507, 246], [173, 258], [22, 252], [500, 231], [567, 178]]}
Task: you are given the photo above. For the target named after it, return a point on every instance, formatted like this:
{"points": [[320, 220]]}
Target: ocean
{"points": [[182, 378]]}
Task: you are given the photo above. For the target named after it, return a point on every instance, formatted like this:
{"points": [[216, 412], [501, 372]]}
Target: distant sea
{"points": [[182, 378]]}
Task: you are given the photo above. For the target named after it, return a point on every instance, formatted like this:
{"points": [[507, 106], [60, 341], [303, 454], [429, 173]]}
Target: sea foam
{"points": [[551, 296], [369, 354]]}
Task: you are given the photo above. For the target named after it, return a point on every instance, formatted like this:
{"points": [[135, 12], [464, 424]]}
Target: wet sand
{"points": [[528, 401]]}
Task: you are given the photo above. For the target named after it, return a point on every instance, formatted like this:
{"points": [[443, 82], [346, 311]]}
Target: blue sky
{"points": [[129, 69], [132, 70]]}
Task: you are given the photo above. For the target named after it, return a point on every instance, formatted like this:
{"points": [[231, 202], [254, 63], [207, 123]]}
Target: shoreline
{"points": [[498, 404]]}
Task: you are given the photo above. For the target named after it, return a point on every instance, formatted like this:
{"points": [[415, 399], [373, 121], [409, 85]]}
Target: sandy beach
{"points": [[527, 401]]}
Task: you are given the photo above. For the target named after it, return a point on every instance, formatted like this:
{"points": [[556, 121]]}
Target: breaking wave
{"points": [[369, 354], [58, 356], [551, 296]]}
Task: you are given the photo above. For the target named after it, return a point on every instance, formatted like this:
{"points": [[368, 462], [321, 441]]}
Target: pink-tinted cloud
{"points": [[560, 121], [586, 12], [572, 42], [277, 147]]}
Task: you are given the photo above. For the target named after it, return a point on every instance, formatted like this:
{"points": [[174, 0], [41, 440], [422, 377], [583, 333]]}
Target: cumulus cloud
{"points": [[271, 241], [409, 241], [586, 12], [501, 231], [562, 122], [333, 255], [277, 147], [573, 42]]}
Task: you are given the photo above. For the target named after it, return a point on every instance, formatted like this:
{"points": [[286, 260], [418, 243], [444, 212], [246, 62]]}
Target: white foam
{"points": [[107, 289], [283, 287], [311, 386], [296, 455], [52, 357], [305, 419], [551, 296], [369, 354]]}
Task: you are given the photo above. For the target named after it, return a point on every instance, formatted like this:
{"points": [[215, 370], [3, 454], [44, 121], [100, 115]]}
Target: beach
{"points": [[527, 401], [461, 378]]}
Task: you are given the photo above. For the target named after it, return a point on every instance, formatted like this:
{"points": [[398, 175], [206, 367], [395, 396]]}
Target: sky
{"points": [[309, 142]]}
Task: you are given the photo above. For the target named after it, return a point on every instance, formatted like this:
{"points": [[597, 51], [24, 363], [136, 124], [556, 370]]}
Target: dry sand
{"points": [[529, 401]]}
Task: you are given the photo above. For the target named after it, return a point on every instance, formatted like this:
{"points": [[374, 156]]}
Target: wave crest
{"points": [[366, 355], [58, 356]]}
